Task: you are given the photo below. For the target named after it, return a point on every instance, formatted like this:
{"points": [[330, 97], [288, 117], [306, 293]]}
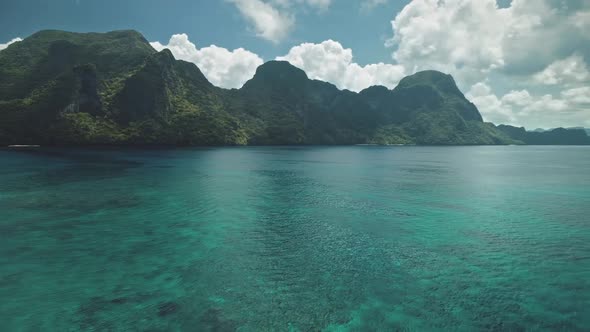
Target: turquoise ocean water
{"points": [[295, 239]]}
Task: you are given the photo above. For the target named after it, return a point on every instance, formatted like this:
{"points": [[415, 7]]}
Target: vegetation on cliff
{"points": [[68, 88]]}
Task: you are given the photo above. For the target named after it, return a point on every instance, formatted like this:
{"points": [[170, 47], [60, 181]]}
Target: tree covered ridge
{"points": [[68, 88]]}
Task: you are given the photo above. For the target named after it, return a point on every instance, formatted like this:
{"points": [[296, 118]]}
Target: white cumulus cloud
{"points": [[517, 98], [320, 4], [520, 108], [570, 70], [267, 21], [460, 37], [222, 67], [329, 61], [490, 106], [471, 38], [368, 5], [3, 46], [273, 20], [579, 95]]}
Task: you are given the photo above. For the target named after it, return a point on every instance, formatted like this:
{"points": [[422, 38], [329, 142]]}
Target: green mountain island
{"points": [[63, 88]]}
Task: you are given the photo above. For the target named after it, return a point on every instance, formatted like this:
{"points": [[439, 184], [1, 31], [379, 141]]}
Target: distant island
{"points": [[64, 88]]}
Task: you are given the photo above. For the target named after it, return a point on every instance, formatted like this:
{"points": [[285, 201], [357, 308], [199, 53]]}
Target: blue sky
{"points": [[522, 62]]}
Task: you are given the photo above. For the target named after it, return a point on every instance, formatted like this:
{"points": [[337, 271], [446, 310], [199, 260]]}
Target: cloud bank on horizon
{"points": [[523, 63]]}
